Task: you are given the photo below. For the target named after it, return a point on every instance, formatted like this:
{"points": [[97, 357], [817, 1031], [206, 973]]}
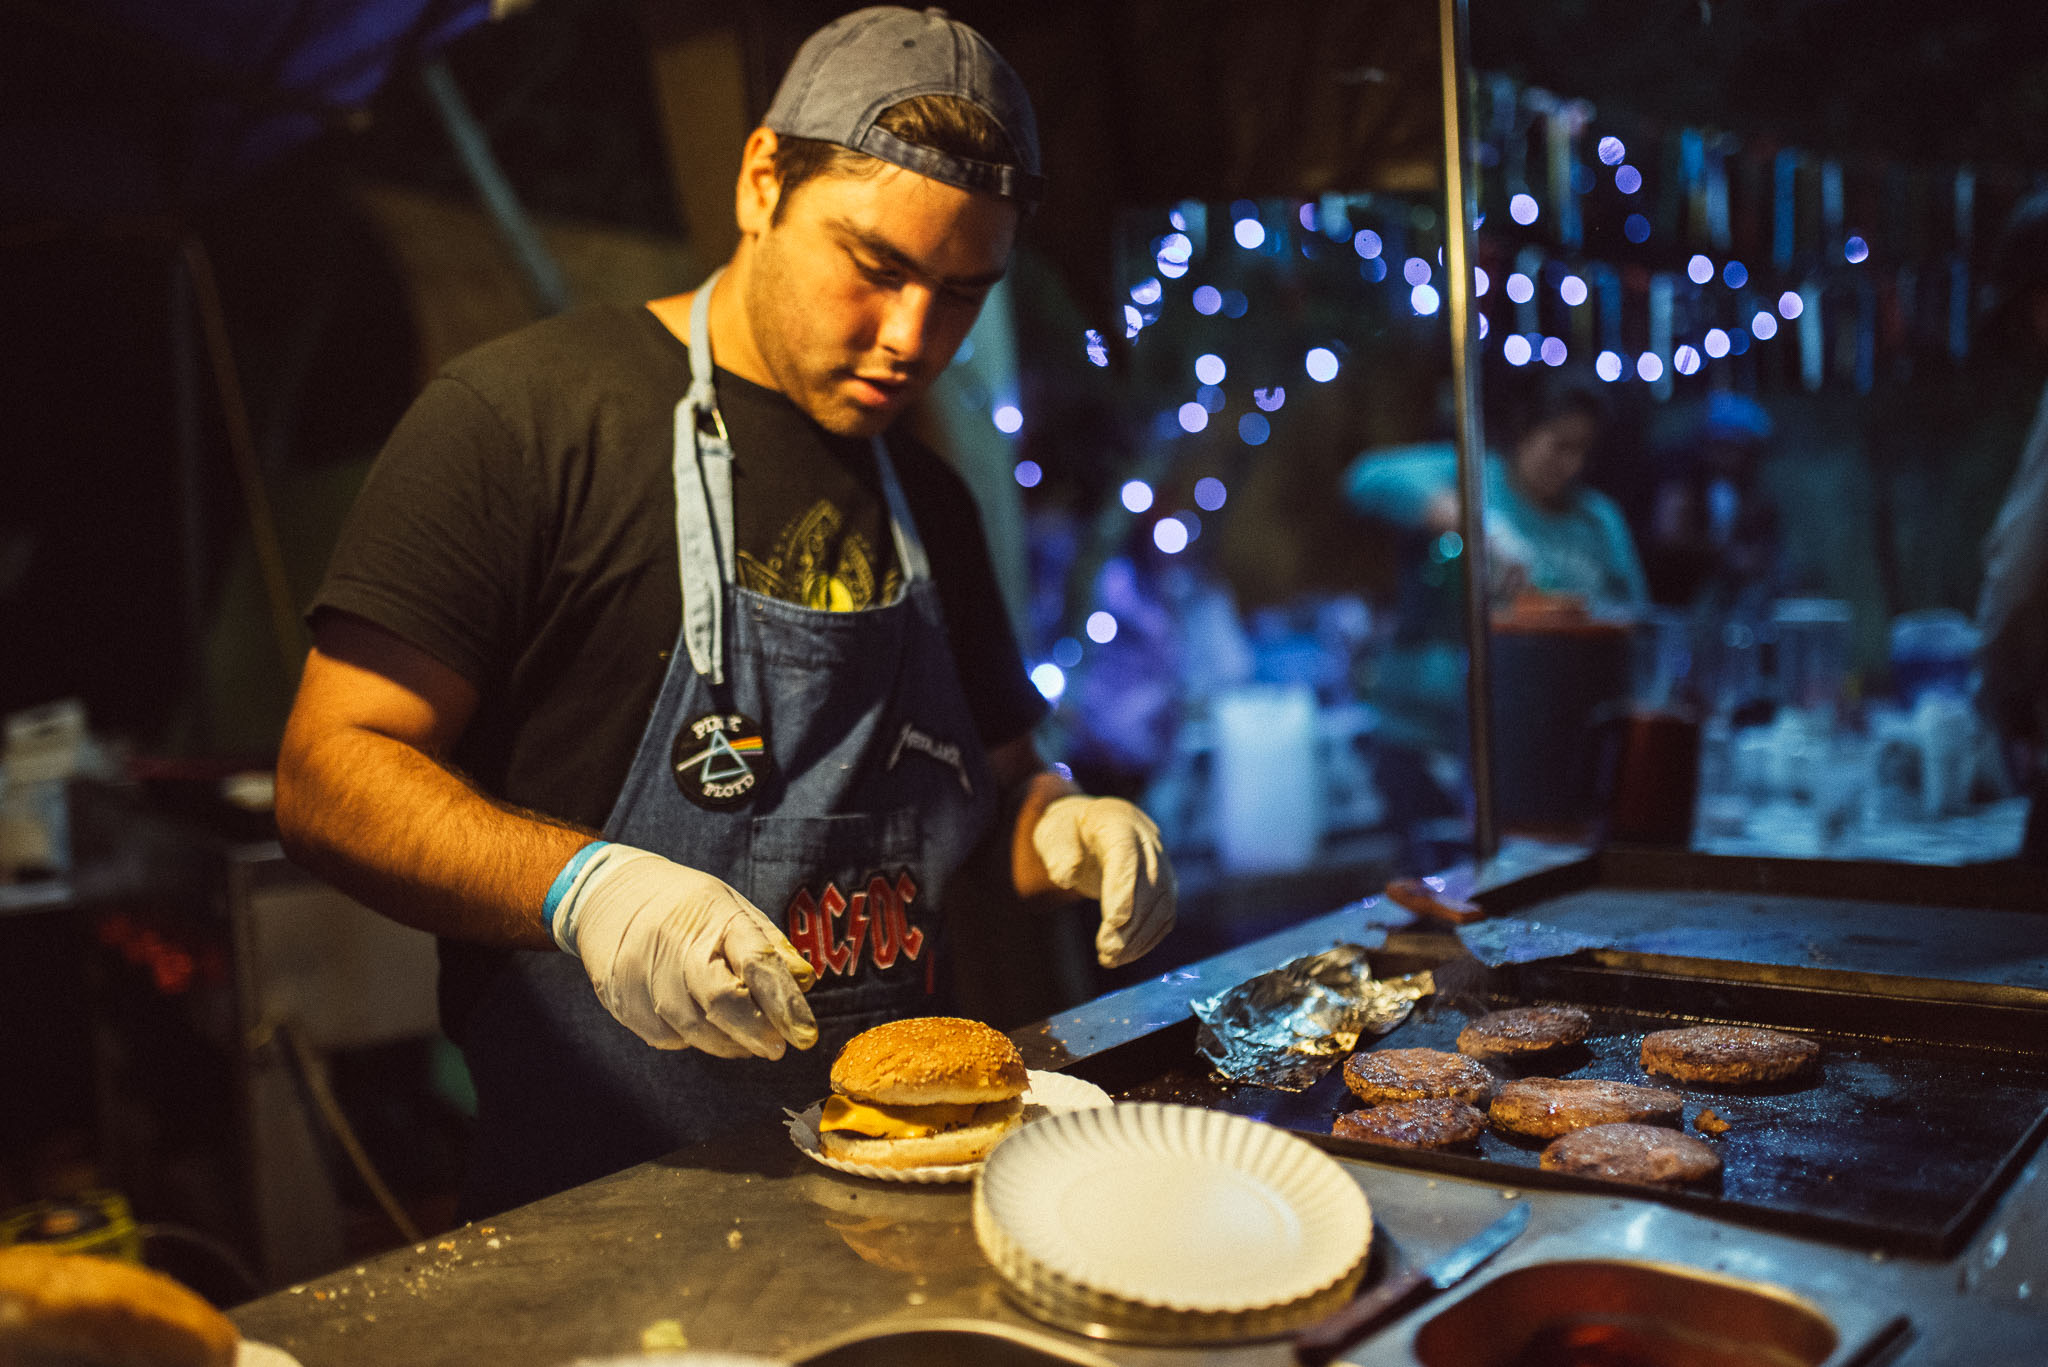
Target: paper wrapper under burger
{"points": [[1285, 1028]]}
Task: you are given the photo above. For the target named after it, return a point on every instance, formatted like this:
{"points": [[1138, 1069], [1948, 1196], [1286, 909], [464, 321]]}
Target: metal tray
{"points": [[1931, 1093]]}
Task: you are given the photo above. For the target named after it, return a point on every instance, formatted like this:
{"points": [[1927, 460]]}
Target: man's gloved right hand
{"points": [[682, 960]]}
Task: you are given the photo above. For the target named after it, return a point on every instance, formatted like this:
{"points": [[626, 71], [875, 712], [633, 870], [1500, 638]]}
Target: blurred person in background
{"points": [[1712, 537], [1548, 534], [1546, 529]]}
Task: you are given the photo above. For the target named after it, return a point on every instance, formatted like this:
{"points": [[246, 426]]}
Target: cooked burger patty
{"points": [[1727, 1054], [1546, 1107], [1430, 1123], [1524, 1030], [1414, 1074], [1649, 1155]]}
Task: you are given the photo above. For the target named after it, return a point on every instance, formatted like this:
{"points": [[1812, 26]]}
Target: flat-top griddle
{"points": [[1928, 1097]]}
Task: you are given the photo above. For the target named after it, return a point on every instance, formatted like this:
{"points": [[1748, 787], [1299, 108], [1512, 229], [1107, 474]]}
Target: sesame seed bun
{"points": [[929, 1061], [86, 1311]]}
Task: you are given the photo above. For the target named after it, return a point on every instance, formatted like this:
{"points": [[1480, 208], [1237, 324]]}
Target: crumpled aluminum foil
{"points": [[1285, 1028]]}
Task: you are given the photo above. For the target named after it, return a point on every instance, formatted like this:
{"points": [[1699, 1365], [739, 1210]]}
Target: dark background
{"points": [[1143, 102]]}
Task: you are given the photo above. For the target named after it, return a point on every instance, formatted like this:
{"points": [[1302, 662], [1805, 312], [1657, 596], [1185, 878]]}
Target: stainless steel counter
{"points": [[751, 1247]]}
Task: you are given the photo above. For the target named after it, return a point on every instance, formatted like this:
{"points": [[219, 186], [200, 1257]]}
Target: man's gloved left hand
{"points": [[1103, 847]]}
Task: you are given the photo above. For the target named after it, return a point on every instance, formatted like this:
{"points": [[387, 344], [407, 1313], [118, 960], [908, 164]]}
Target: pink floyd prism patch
{"points": [[720, 759]]}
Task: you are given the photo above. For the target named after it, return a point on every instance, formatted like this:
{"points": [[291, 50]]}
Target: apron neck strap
{"points": [[702, 463]]}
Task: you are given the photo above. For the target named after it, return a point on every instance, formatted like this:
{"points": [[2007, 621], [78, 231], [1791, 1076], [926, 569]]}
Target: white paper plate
{"points": [[1046, 1094], [250, 1353], [1170, 1207]]}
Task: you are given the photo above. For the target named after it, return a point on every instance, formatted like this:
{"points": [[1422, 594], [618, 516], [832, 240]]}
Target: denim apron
{"points": [[826, 765]]}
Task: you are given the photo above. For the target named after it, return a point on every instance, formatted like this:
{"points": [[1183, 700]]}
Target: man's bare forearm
{"points": [[407, 836]]}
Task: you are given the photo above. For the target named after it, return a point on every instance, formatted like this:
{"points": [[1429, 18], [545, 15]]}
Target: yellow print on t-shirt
{"points": [[818, 562]]}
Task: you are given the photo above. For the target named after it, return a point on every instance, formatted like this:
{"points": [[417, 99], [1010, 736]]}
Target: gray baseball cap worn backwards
{"points": [[859, 65]]}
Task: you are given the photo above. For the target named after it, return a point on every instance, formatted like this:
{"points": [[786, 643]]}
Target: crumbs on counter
{"points": [[663, 1335]]}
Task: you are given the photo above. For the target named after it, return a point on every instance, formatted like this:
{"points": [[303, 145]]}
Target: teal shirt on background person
{"points": [[1584, 548]]}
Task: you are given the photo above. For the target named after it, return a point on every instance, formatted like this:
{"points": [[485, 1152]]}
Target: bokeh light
{"points": [[1611, 151], [1210, 493], [1627, 179], [1234, 303], [1098, 350], [1136, 495], [1367, 243], [1522, 209], [1415, 271], [1553, 351], [1146, 291], [1321, 363], [1269, 400], [1253, 429], [1207, 299], [1607, 366], [1699, 270], [1790, 305], [1650, 366], [1520, 288], [1169, 535], [1735, 275], [1572, 290], [1715, 343], [1209, 368], [1856, 251], [1764, 325], [1028, 474], [1686, 360], [1250, 233], [1101, 628], [1481, 282], [1423, 299], [1193, 417], [1176, 247], [1636, 228], [1008, 418], [1066, 652], [1515, 350], [1050, 681]]}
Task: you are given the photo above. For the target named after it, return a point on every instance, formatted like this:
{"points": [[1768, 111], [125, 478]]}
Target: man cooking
{"points": [[669, 695]]}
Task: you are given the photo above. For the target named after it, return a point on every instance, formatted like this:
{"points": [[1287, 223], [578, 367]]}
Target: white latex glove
{"points": [[1103, 847], [682, 960]]}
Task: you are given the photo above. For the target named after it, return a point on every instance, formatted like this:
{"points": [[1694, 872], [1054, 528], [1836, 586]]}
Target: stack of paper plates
{"points": [[1158, 1223]]}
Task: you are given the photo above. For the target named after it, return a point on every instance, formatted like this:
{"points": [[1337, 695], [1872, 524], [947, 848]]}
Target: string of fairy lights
{"points": [[1805, 310]]}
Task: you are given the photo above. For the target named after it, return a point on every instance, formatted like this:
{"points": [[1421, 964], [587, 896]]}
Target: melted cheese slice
{"points": [[893, 1122]]}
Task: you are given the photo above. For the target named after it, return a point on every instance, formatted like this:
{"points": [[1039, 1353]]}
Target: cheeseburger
{"points": [[930, 1090]]}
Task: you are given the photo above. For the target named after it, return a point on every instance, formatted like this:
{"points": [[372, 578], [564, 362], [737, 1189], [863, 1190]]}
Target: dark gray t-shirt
{"points": [[519, 526]]}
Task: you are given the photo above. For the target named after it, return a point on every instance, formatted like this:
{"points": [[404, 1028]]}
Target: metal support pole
{"points": [[543, 275], [192, 547], [1460, 205]]}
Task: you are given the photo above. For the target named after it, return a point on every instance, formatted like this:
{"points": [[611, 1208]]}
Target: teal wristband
{"points": [[564, 880]]}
